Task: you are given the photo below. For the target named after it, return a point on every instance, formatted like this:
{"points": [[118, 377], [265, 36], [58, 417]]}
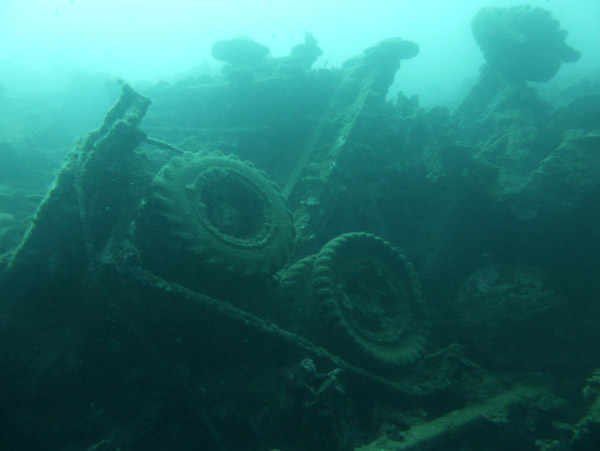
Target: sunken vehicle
{"points": [[280, 258]]}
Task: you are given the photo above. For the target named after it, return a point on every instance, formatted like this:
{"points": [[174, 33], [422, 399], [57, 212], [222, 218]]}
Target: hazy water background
{"points": [[56, 57], [43, 41]]}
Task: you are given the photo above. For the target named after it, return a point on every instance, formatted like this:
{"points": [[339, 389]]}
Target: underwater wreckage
{"points": [[223, 271]]}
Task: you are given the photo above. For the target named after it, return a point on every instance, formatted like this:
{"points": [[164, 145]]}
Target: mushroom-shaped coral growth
{"points": [[522, 43], [392, 48], [240, 51], [308, 52]]}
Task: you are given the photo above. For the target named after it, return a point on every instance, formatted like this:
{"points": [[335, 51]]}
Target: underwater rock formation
{"points": [[522, 43]]}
